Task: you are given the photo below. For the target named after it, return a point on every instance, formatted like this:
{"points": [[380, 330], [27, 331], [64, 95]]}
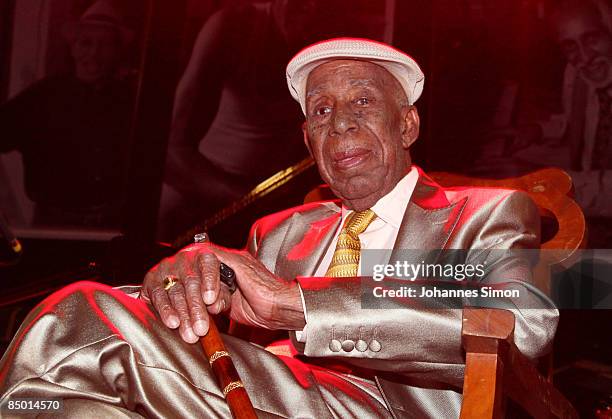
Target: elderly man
{"points": [[79, 120], [104, 352], [579, 139]]}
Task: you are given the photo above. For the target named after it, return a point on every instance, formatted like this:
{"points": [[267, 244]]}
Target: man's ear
{"points": [[410, 125], [306, 139]]}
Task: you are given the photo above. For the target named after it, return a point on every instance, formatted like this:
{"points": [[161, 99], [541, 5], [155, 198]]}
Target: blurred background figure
{"points": [[584, 32], [233, 123], [577, 137], [72, 130], [87, 99]]}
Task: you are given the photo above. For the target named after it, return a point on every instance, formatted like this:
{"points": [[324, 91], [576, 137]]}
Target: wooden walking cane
{"points": [[226, 374], [220, 360]]}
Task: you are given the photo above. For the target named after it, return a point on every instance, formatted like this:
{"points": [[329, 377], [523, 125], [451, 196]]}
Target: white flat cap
{"points": [[398, 63]]}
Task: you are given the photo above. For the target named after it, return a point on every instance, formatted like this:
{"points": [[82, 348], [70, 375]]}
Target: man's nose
{"points": [[344, 120]]}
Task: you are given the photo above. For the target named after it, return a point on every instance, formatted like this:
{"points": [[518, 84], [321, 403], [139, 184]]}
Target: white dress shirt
{"points": [[380, 234]]}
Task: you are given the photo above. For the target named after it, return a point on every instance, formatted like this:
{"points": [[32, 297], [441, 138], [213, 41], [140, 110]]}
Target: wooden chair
{"points": [[495, 369], [494, 366]]}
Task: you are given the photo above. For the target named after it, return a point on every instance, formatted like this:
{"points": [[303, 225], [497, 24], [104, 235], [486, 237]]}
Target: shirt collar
{"points": [[391, 207]]}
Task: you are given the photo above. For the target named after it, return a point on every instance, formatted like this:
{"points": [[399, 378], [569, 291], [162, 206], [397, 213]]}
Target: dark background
{"points": [[469, 50]]}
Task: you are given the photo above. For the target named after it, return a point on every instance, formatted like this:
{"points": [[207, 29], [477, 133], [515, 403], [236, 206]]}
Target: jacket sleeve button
{"points": [[375, 345], [335, 345], [348, 345], [361, 345]]}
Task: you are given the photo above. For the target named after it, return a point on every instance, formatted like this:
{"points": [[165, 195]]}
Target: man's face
{"points": [[358, 129], [96, 53], [586, 43]]}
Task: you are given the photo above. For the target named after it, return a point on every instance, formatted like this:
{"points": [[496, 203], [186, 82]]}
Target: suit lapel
{"points": [[307, 238], [428, 222]]}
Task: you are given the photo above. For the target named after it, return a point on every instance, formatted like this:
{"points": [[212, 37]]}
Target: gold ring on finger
{"points": [[170, 281]]}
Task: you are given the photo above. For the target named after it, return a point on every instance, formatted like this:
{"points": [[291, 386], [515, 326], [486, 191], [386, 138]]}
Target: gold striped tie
{"points": [[345, 261]]}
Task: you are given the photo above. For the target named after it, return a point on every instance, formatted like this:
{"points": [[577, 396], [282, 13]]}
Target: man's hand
{"points": [[261, 299]]}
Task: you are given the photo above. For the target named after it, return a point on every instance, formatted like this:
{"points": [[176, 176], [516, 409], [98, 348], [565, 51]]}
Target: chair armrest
{"points": [[495, 368]]}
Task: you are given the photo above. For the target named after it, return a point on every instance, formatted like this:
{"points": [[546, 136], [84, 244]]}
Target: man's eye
{"points": [[323, 110], [362, 101]]}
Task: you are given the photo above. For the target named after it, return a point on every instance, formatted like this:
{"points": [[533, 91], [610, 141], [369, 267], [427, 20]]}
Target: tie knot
{"points": [[358, 221], [345, 261]]}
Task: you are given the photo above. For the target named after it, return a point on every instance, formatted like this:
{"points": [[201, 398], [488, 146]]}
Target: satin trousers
{"points": [[107, 354]]}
